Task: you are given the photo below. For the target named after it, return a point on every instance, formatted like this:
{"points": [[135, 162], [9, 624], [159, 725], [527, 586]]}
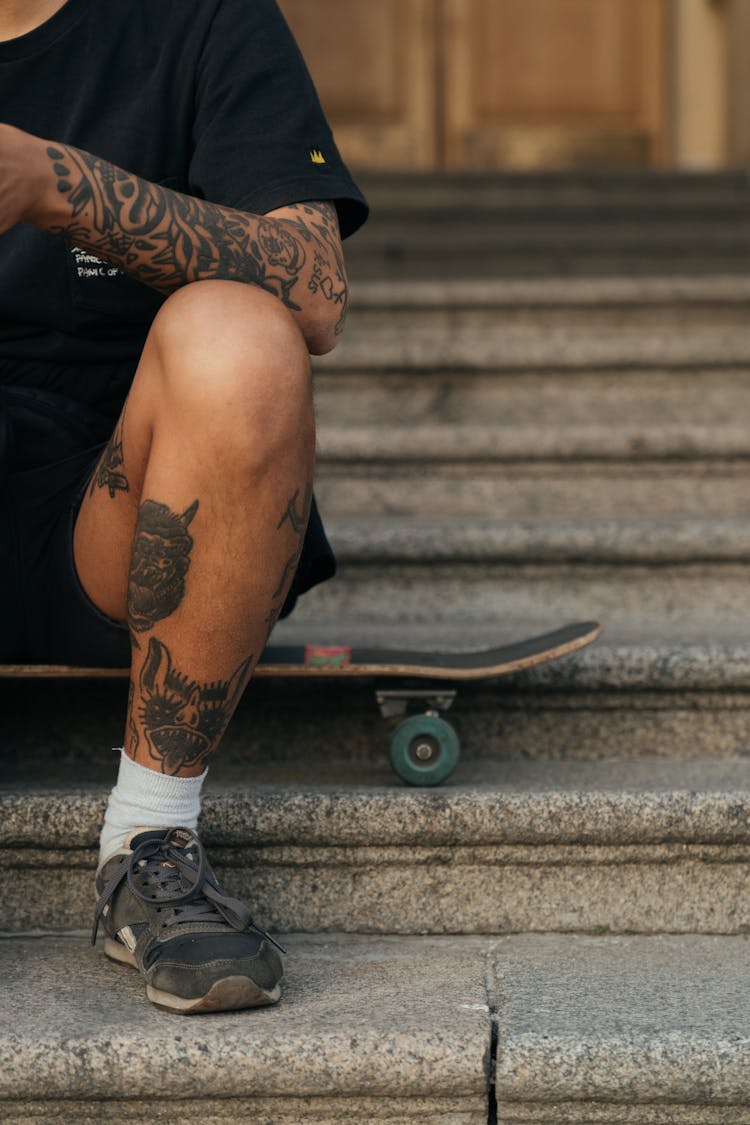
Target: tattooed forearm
{"points": [[166, 239], [296, 514], [179, 719], [159, 563], [328, 270], [110, 472]]}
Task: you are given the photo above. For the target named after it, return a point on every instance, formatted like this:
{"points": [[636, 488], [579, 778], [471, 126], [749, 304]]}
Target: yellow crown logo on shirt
{"points": [[317, 156]]}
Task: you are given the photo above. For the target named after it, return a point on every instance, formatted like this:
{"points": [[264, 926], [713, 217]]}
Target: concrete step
{"points": [[390, 258], [443, 570], [554, 490], [460, 405], [626, 443], [385, 540], [617, 292], [536, 244], [368, 409], [413, 193], [525, 226], [612, 444], [623, 1031], [645, 846], [568, 324], [540, 223], [534, 472], [391, 1031], [479, 442], [403, 1031]]}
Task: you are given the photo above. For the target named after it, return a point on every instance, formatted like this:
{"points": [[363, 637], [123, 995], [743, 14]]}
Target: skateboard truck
{"points": [[395, 701], [424, 748]]}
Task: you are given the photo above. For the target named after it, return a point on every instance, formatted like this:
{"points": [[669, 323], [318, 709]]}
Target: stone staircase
{"points": [[539, 225], [559, 933]]}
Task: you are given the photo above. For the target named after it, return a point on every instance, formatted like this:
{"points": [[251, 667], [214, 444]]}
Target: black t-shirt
{"points": [[208, 97]]}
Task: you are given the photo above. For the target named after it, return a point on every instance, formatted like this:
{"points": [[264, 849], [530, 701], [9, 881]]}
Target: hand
{"points": [[25, 176]]}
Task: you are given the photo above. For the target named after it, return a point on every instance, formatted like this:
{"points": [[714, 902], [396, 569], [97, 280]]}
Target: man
{"points": [[170, 201]]}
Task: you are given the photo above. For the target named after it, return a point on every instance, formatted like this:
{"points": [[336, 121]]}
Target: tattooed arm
{"points": [[166, 239]]}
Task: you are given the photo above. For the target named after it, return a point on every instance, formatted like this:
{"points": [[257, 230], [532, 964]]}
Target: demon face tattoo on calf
{"points": [[182, 719], [159, 563]]}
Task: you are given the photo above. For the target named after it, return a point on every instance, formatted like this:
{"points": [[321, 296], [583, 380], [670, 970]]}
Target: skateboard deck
{"points": [[424, 747], [361, 662]]}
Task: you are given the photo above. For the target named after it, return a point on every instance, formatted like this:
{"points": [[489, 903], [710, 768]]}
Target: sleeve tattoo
{"points": [[166, 239]]}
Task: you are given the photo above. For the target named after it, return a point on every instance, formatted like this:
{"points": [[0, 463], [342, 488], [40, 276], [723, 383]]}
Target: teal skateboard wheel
{"points": [[424, 750]]}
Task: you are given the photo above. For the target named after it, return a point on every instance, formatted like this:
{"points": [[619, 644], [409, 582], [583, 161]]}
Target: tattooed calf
{"points": [[182, 719], [159, 563], [296, 515], [297, 519], [110, 472]]}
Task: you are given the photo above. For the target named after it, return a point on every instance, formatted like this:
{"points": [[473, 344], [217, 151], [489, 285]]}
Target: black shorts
{"points": [[45, 615]]}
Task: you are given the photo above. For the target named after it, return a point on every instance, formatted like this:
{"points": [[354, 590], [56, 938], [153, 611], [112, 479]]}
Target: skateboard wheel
{"points": [[424, 750]]}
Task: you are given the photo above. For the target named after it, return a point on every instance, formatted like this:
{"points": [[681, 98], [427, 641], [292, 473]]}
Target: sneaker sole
{"points": [[226, 995]]}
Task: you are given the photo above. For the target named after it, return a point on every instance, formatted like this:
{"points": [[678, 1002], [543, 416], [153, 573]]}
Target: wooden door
{"points": [[374, 64], [427, 84], [553, 83]]}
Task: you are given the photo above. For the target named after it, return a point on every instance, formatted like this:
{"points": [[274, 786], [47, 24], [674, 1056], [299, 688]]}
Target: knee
{"points": [[230, 358]]}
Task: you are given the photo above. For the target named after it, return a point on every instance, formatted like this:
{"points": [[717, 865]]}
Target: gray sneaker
{"points": [[164, 913]]}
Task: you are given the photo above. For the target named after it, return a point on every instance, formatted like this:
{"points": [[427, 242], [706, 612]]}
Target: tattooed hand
{"points": [[23, 175]]}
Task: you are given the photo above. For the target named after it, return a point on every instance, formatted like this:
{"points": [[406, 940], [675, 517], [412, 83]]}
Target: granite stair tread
{"points": [[568, 324], [645, 293], [568, 1028], [363, 1033], [533, 225], [649, 846], [613, 801], [623, 1031], [534, 401], [447, 568], [434, 538], [436, 345], [472, 441]]}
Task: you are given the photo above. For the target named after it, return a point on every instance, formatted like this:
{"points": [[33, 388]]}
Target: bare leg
{"points": [[194, 521]]}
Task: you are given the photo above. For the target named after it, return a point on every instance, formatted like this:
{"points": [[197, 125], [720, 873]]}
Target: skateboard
{"points": [[411, 688]]}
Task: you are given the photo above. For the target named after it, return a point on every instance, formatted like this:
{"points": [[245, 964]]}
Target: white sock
{"points": [[145, 798]]}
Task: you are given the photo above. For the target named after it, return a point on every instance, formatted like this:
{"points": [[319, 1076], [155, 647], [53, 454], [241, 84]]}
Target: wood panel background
{"points": [[422, 84], [374, 64], [554, 83]]}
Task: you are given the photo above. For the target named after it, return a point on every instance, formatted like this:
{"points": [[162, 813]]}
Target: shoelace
{"points": [[157, 864]]}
